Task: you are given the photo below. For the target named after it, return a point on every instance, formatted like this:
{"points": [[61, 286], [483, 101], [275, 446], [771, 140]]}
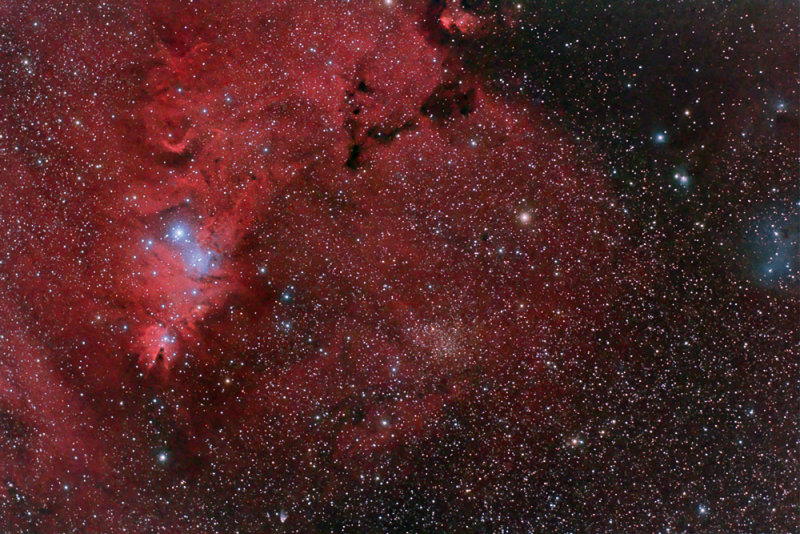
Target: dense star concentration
{"points": [[398, 266]]}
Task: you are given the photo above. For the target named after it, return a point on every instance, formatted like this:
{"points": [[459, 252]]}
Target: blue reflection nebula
{"points": [[772, 247]]}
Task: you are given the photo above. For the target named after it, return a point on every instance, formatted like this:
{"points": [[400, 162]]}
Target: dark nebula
{"points": [[398, 266]]}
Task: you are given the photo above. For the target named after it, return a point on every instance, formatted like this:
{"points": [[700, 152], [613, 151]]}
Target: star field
{"points": [[398, 266]]}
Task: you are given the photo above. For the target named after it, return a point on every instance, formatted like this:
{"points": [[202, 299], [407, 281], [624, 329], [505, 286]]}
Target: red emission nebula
{"points": [[270, 249]]}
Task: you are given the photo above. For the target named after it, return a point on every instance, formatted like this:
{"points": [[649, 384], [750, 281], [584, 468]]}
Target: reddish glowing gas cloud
{"points": [[267, 213]]}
